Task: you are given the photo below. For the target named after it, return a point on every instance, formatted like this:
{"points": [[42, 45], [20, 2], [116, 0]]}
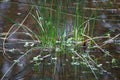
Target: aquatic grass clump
{"points": [[78, 36]]}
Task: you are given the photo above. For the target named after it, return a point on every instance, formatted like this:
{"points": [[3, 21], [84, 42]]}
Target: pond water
{"points": [[62, 67]]}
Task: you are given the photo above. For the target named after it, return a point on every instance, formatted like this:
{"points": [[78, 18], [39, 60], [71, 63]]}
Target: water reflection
{"points": [[23, 4], [5, 5], [6, 66], [5, 8], [1, 24]]}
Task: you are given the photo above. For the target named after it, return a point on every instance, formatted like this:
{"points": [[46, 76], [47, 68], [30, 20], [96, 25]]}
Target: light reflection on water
{"points": [[5, 5], [6, 66]]}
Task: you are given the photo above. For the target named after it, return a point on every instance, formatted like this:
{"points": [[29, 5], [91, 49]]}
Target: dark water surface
{"points": [[62, 67]]}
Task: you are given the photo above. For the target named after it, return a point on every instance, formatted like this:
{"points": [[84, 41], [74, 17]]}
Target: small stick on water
{"points": [[110, 40]]}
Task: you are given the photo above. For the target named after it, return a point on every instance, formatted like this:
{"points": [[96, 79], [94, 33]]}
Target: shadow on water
{"points": [[62, 67]]}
